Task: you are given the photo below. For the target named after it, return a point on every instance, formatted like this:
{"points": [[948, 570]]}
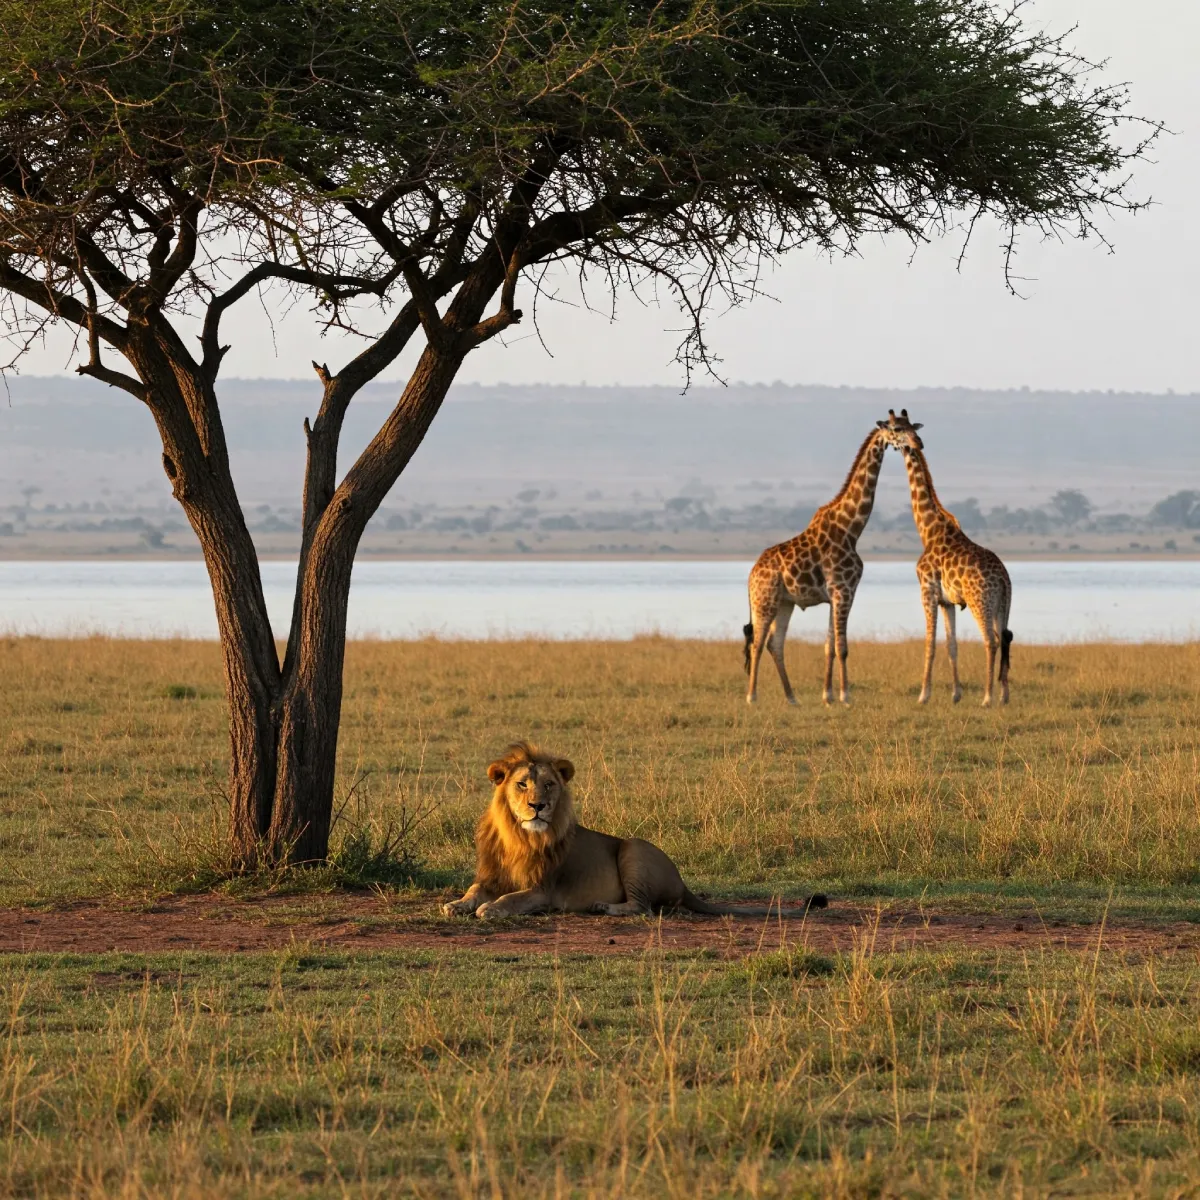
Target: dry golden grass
{"points": [[315, 1073], [114, 757]]}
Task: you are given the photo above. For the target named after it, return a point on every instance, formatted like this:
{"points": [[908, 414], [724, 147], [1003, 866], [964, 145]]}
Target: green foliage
{"points": [[745, 94], [698, 125]]}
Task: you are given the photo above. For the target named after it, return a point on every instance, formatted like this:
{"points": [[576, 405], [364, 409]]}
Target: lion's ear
{"points": [[566, 768], [498, 772]]}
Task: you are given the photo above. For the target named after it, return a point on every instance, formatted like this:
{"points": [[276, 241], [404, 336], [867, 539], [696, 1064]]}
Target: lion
{"points": [[532, 855]]}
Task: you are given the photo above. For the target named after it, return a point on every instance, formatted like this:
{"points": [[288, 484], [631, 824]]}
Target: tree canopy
{"points": [[355, 147]]}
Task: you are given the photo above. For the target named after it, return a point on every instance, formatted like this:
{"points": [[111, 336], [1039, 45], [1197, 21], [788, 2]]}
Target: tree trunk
{"points": [[311, 703], [311, 708], [196, 461], [284, 722], [252, 675]]}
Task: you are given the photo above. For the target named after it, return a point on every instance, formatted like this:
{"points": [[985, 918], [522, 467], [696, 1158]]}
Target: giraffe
{"points": [[954, 570], [819, 566]]}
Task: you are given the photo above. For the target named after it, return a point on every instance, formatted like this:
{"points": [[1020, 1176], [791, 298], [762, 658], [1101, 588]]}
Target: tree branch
{"points": [[95, 366], [166, 271], [342, 287], [504, 316], [406, 259], [19, 177], [116, 284], [425, 300], [564, 229], [511, 229], [59, 304]]}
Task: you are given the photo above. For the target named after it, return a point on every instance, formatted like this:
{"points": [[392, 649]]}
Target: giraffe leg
{"points": [[1001, 655], [1005, 636], [763, 620], [778, 634], [929, 597], [949, 617], [991, 673], [827, 695], [840, 602], [991, 641]]}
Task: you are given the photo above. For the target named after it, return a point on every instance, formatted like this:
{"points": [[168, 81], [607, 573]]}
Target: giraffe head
{"points": [[900, 433]]}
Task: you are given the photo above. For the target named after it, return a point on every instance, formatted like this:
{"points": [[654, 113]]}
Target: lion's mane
{"points": [[509, 858]]}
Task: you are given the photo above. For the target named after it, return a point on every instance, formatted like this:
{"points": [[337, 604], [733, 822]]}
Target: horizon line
{"points": [[10, 376]]}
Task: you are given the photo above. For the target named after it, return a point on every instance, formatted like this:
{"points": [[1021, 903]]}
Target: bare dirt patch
{"points": [[369, 923]]}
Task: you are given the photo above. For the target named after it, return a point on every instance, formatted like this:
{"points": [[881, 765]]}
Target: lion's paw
{"points": [[485, 910], [599, 909]]}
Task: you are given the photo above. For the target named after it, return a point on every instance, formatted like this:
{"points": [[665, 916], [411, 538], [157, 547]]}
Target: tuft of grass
{"points": [[371, 854], [789, 962]]}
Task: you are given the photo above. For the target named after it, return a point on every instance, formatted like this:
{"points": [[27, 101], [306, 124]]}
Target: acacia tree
{"points": [[162, 160]]}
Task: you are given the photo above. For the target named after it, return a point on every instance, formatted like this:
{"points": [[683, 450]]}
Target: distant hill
{"points": [[77, 441]]}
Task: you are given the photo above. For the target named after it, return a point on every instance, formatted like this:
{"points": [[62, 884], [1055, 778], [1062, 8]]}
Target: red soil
{"points": [[368, 923]]}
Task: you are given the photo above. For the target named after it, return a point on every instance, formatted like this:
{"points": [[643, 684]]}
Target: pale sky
{"points": [[1088, 319]]}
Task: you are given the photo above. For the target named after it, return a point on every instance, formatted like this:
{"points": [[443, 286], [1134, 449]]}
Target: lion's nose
{"points": [[537, 805]]}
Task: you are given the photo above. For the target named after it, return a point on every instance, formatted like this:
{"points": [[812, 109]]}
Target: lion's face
{"points": [[533, 790]]}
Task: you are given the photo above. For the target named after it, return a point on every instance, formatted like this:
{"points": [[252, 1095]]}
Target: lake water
{"points": [[1052, 601]]}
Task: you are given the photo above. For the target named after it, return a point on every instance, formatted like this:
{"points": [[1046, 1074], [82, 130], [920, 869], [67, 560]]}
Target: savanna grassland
{"points": [[958, 1070], [115, 756]]}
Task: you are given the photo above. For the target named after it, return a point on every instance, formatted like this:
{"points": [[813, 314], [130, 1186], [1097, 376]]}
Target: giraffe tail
{"points": [[748, 634], [1005, 641]]}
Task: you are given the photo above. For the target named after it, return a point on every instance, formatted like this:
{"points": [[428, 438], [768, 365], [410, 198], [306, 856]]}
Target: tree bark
{"points": [[310, 708], [311, 701], [196, 462]]}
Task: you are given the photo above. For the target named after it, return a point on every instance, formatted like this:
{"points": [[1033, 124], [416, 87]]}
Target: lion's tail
{"points": [[694, 904]]}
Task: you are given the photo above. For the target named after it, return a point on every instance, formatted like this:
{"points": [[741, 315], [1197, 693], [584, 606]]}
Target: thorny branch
{"points": [[94, 366]]}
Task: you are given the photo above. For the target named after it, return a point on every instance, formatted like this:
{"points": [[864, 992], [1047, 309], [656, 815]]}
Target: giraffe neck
{"points": [[851, 507], [931, 518]]}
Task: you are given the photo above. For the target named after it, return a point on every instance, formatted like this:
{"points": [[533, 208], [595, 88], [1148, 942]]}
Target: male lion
{"points": [[532, 856]]}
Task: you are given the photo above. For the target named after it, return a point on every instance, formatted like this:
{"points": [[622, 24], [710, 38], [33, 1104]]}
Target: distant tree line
{"points": [[1069, 509]]}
